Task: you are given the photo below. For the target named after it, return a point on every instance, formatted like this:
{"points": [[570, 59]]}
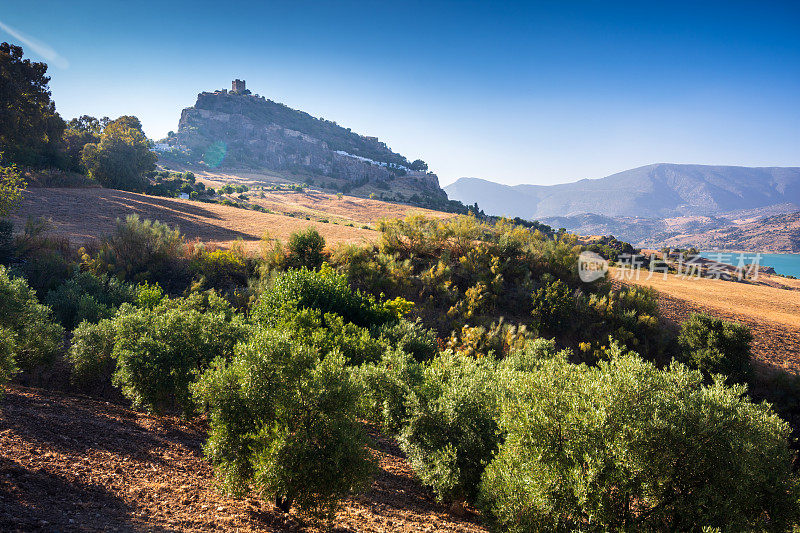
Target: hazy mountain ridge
{"points": [[654, 191], [660, 205]]}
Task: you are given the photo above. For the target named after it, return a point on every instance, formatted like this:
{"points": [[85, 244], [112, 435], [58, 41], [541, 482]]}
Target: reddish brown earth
{"points": [[771, 313], [70, 463], [85, 215]]}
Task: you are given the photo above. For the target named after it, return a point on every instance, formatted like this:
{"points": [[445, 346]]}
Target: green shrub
{"points": [[629, 316], [554, 306], [8, 365], [284, 421], [496, 341], [306, 249], [143, 250], [86, 296], [149, 296], [715, 346], [411, 337], [325, 290], [626, 446], [355, 343], [532, 354], [90, 354], [387, 386], [42, 259], [222, 270], [160, 351], [34, 335], [451, 433]]}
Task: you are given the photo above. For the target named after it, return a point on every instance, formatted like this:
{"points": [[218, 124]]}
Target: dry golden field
{"points": [[313, 203], [87, 214], [772, 313]]}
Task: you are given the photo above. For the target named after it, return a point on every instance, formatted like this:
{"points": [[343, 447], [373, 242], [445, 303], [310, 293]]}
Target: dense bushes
{"points": [[450, 433], [33, 336], [8, 366], [625, 446], [387, 385], [160, 351], [715, 346], [326, 290], [142, 250], [284, 421], [91, 354], [286, 365], [86, 296]]}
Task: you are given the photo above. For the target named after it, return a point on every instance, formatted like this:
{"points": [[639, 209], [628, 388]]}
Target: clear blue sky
{"points": [[513, 92]]}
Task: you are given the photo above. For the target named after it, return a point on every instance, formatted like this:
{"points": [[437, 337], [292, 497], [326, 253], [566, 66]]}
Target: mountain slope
{"points": [[660, 190], [779, 233], [228, 130]]}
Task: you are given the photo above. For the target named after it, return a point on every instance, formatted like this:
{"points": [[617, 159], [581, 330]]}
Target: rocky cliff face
{"points": [[232, 131]]}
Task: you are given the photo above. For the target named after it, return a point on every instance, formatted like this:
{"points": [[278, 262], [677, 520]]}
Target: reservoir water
{"points": [[785, 264]]}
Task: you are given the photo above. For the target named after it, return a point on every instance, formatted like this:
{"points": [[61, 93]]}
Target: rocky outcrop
{"points": [[230, 130]]}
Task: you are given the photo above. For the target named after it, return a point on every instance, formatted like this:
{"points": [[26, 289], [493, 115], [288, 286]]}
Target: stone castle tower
{"points": [[237, 86]]}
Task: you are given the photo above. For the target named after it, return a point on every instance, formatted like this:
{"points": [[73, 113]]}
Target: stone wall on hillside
{"points": [[242, 131]]}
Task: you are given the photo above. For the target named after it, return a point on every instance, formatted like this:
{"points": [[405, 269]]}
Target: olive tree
{"points": [[627, 446]]}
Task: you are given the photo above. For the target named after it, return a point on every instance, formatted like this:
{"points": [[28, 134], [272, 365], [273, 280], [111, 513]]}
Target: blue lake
{"points": [[786, 264]]}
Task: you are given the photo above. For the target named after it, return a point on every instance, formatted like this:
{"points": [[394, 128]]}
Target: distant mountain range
{"points": [[656, 205], [661, 190]]}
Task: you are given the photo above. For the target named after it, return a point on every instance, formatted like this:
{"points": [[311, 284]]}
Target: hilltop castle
{"points": [[238, 86]]}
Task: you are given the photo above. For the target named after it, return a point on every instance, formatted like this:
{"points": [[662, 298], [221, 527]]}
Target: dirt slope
{"points": [[86, 214], [74, 464], [773, 314]]}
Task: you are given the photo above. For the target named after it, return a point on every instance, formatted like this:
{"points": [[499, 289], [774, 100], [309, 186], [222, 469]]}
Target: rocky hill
{"points": [[653, 191], [779, 233], [238, 130]]}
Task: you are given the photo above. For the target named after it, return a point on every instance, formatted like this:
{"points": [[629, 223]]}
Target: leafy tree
{"points": [[80, 132], [624, 446], [387, 385], [90, 354], [284, 420], [450, 433], [34, 334], [419, 164], [716, 346], [30, 128], [161, 351], [122, 156], [11, 185], [306, 249]]}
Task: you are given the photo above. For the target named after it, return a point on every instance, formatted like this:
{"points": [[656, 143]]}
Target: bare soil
{"points": [[84, 215], [773, 314], [70, 463]]}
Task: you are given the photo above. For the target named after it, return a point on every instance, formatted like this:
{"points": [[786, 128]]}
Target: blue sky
{"points": [[513, 92]]}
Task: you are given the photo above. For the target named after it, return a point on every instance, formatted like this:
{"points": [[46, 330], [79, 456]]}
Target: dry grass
{"points": [[314, 203], [345, 209], [749, 300], [83, 215], [773, 314]]}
